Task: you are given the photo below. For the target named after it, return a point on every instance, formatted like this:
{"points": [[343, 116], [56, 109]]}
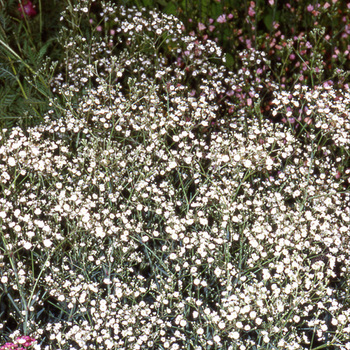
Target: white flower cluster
{"points": [[322, 108], [142, 215]]}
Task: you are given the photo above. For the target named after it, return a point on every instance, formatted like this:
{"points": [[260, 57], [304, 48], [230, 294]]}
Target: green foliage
{"points": [[25, 45]]}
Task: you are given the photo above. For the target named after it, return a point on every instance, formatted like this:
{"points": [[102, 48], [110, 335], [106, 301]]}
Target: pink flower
{"points": [[251, 12], [26, 7], [24, 340], [221, 19], [8, 346], [201, 26]]}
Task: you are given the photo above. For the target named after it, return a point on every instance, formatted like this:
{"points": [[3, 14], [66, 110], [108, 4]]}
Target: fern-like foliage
{"points": [[27, 46]]}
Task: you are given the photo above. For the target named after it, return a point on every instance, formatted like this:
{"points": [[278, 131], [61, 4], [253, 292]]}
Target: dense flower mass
{"points": [[153, 209], [21, 343]]}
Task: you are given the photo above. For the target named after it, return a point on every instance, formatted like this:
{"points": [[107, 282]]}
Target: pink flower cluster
{"points": [[21, 343]]}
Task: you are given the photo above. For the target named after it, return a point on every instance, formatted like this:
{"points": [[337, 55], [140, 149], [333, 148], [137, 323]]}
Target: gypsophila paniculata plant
{"points": [[154, 210]]}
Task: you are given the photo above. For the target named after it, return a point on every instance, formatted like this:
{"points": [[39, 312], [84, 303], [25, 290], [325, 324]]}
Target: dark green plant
{"points": [[27, 46]]}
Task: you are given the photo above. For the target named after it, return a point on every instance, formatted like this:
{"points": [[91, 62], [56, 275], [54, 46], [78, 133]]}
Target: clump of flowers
{"points": [[321, 108], [155, 209], [21, 343]]}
